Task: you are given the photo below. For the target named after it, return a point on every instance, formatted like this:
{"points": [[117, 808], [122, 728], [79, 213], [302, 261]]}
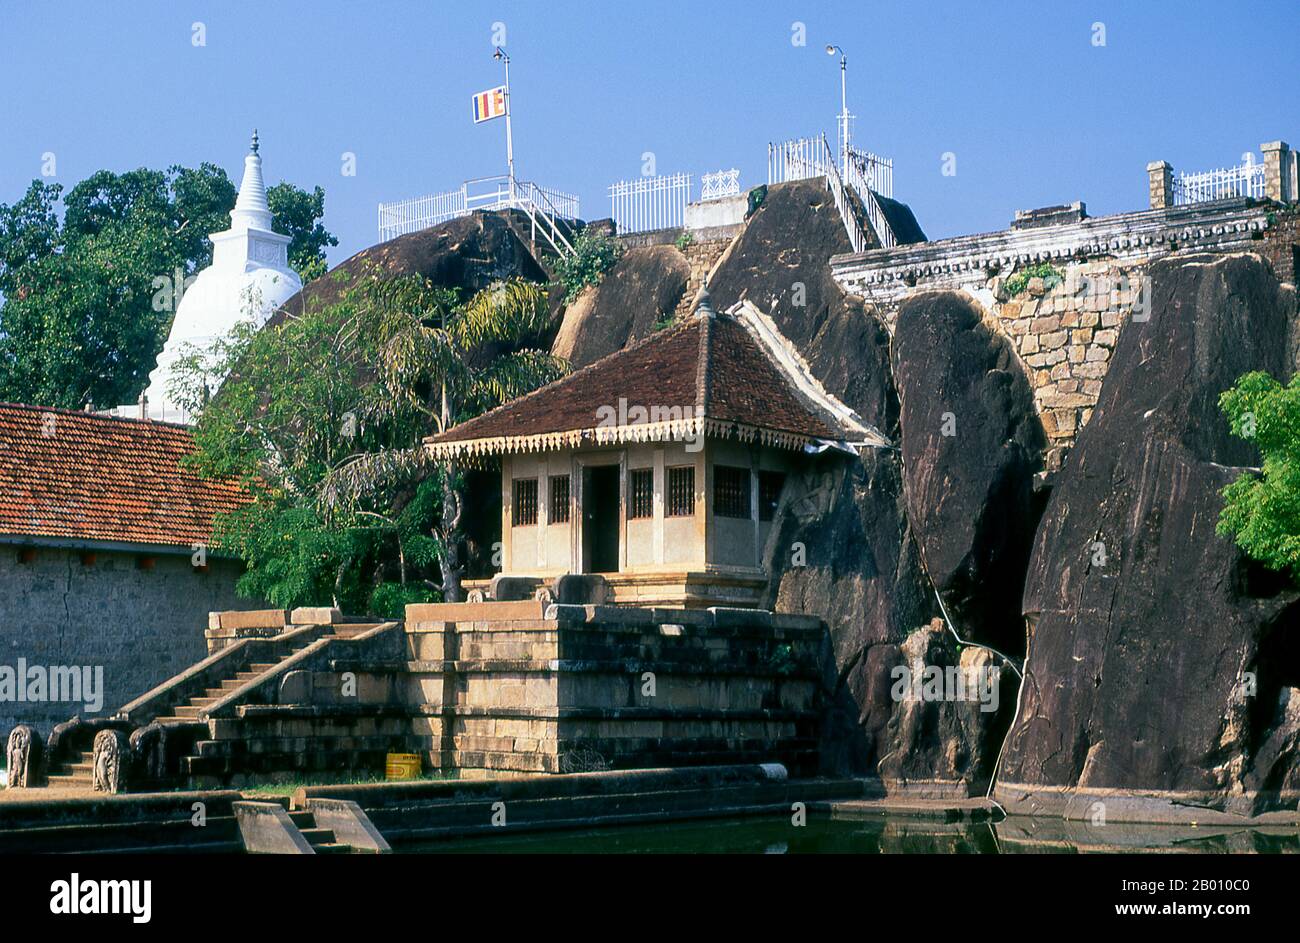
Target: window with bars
{"points": [[559, 509], [730, 491], [681, 491], [525, 502], [770, 484], [643, 493]]}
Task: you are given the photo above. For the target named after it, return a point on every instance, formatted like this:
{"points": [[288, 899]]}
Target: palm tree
{"points": [[439, 363]]}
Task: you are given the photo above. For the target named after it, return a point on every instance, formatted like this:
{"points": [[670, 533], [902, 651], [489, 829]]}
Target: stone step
{"points": [[332, 848], [260, 666], [70, 781], [187, 711], [353, 629], [316, 835], [229, 685], [202, 701]]}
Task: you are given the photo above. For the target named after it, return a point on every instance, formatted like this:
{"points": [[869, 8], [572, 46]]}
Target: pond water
{"points": [[876, 835]]}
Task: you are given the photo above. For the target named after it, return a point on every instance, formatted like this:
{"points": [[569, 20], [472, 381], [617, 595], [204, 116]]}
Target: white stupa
{"points": [[249, 278]]}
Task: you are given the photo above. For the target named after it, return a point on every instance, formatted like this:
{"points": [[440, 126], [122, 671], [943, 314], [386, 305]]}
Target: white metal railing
{"points": [[544, 206], [396, 219], [724, 183], [649, 203], [876, 171], [1245, 180], [799, 159], [805, 158], [855, 174]]}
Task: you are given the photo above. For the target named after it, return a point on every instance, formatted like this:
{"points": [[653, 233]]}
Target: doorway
{"points": [[600, 518]]}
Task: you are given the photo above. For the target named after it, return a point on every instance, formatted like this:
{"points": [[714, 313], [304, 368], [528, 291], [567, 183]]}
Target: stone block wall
{"points": [[1065, 335], [137, 616], [514, 688]]}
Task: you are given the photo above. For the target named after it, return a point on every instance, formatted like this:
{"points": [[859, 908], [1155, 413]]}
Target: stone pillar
{"points": [[1278, 184], [1161, 178]]}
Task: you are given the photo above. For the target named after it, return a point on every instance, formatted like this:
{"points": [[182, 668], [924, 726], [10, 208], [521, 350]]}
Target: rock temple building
{"points": [[659, 467]]}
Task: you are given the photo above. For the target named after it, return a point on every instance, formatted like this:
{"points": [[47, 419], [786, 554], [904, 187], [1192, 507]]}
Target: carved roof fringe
{"points": [[679, 430]]}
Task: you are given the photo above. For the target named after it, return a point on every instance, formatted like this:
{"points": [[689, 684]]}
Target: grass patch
{"points": [[326, 779]]}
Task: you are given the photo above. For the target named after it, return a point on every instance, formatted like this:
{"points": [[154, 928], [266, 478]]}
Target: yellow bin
{"points": [[402, 766]]}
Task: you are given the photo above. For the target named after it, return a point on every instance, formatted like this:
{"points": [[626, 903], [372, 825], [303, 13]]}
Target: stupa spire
{"points": [[251, 210]]}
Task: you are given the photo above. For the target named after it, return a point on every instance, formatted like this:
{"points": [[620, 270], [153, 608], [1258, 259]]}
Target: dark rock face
{"points": [[1144, 622], [469, 253], [841, 549], [972, 443], [780, 264], [947, 744], [643, 287]]}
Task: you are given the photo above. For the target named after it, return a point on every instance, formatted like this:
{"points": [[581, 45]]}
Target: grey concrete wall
{"points": [[140, 625]]}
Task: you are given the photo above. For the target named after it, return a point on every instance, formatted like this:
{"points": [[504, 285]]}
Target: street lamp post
{"points": [[831, 49], [500, 54]]}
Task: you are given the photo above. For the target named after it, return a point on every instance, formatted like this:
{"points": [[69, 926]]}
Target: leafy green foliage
{"points": [[1049, 273], [297, 214], [685, 240], [594, 254], [80, 320], [1262, 508], [322, 416]]}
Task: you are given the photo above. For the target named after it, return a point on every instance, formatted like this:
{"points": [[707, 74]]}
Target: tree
{"points": [[78, 323], [426, 368], [1262, 506], [296, 214], [323, 416]]}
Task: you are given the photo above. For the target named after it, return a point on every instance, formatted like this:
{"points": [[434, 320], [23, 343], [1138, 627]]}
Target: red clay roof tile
{"points": [[68, 474], [724, 375]]}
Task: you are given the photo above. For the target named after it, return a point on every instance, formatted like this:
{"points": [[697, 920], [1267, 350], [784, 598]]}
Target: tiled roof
{"points": [[75, 475], [711, 368]]}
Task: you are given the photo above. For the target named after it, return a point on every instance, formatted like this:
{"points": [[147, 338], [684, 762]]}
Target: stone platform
{"points": [[502, 688], [477, 690]]}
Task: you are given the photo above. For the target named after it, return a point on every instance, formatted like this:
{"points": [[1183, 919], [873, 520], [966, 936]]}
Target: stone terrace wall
{"points": [[510, 688]]}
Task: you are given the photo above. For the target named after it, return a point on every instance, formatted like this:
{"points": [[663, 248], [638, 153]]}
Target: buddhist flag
{"points": [[490, 104]]}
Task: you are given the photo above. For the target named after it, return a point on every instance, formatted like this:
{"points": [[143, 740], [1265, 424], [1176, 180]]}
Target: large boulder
{"points": [[841, 549], [1159, 657], [780, 262], [642, 289], [972, 443], [468, 253]]}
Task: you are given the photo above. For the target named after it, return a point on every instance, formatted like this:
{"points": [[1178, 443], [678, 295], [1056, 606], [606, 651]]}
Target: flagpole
{"points": [[510, 143]]}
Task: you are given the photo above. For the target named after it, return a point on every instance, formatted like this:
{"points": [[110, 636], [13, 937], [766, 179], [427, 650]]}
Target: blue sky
{"points": [[1034, 112]]}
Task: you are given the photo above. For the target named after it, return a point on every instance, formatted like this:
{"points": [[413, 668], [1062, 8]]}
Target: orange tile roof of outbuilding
{"points": [[80, 476]]}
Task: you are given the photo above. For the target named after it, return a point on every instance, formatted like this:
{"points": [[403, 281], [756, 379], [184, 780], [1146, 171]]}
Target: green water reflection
{"points": [[880, 835]]}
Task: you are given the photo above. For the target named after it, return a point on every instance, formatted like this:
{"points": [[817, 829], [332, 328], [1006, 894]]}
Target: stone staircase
{"points": [[542, 252], [246, 669], [77, 772], [323, 841], [193, 708], [314, 827]]}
